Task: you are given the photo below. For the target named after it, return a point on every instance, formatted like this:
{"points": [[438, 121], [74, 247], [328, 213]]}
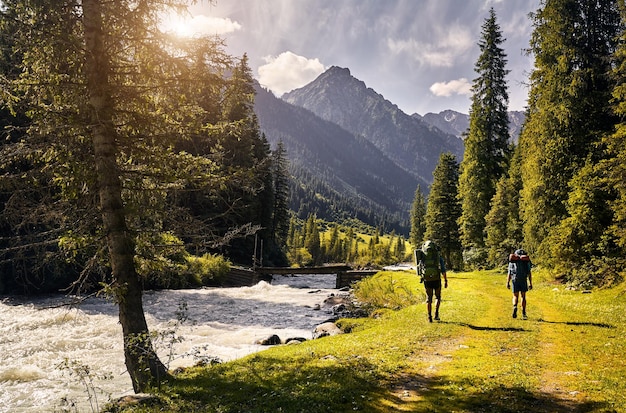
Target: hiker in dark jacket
{"points": [[519, 273], [431, 266]]}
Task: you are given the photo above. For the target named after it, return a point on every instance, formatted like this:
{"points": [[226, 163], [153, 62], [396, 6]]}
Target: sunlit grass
{"points": [[569, 356]]}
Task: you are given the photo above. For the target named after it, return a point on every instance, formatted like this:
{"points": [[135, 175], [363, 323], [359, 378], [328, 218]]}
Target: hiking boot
{"points": [[524, 316], [430, 318], [436, 317], [514, 312]]}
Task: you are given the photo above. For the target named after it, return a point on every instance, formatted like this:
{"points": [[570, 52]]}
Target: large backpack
{"points": [[430, 261], [521, 265]]}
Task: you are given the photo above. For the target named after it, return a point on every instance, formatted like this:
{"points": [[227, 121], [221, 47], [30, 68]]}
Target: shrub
{"points": [[393, 290], [476, 258], [597, 272], [208, 269], [163, 263]]}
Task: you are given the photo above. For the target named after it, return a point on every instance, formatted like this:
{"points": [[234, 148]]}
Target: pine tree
{"points": [[418, 215], [504, 228], [334, 245], [280, 175], [568, 108], [312, 240], [444, 209], [399, 249], [246, 157], [486, 145]]}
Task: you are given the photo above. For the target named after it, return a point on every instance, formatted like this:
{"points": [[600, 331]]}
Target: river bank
{"points": [[54, 355]]}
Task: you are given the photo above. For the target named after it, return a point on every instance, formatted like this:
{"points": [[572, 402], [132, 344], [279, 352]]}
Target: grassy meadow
{"points": [[567, 357]]}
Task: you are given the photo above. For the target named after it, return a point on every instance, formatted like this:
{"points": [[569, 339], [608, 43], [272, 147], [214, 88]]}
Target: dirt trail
{"points": [[531, 343]]}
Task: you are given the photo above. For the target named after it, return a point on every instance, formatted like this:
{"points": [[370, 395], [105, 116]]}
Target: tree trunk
{"points": [[142, 362]]}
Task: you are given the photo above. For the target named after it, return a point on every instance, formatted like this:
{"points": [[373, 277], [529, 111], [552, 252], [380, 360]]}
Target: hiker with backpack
{"points": [[519, 273], [430, 267]]}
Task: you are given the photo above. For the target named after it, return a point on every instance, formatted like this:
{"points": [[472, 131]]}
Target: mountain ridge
{"points": [[338, 97], [335, 174]]}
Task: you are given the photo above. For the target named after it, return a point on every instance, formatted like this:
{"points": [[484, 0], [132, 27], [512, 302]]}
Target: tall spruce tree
{"points": [[246, 155], [312, 239], [444, 210], [280, 177], [418, 216], [486, 145], [568, 108]]}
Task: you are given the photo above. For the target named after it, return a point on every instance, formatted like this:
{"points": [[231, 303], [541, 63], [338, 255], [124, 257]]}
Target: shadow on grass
{"points": [[445, 394], [484, 328], [264, 384], [578, 323], [332, 385]]}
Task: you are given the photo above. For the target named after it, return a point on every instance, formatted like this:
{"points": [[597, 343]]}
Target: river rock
{"points": [[334, 300], [135, 400], [269, 341], [295, 340], [326, 329]]}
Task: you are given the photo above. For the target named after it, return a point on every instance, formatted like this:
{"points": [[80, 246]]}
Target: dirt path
{"points": [[506, 364]]}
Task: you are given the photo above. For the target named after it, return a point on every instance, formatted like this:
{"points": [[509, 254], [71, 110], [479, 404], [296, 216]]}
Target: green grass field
{"points": [[568, 357]]}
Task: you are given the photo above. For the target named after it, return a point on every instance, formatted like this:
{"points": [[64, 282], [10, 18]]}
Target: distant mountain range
{"points": [[354, 154], [457, 124]]}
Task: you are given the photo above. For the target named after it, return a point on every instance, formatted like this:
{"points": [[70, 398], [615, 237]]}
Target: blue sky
{"points": [[418, 54]]}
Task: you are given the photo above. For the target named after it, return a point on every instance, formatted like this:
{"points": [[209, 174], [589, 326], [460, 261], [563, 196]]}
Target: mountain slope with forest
{"points": [[336, 174]]}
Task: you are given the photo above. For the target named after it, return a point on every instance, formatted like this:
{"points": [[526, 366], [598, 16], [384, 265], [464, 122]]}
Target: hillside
{"points": [[338, 97], [336, 174]]}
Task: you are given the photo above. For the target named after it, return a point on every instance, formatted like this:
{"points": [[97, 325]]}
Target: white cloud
{"points": [[288, 71], [454, 87], [450, 44], [200, 25]]}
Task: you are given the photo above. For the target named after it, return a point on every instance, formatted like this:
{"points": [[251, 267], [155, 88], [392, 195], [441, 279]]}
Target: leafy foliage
{"points": [[503, 223], [573, 43]]}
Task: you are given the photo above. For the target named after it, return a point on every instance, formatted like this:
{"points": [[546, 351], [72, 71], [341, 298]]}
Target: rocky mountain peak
{"points": [[340, 98]]}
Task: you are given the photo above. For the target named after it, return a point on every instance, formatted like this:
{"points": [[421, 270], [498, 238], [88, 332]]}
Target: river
{"points": [[53, 357]]}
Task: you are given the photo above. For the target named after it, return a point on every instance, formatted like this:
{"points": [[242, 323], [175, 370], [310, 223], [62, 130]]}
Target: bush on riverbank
{"points": [[163, 263], [393, 290]]}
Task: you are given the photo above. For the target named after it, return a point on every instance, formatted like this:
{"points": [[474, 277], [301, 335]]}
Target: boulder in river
{"points": [[270, 341]]}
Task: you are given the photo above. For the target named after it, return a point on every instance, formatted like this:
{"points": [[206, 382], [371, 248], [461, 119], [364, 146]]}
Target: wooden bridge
{"points": [[240, 277]]}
